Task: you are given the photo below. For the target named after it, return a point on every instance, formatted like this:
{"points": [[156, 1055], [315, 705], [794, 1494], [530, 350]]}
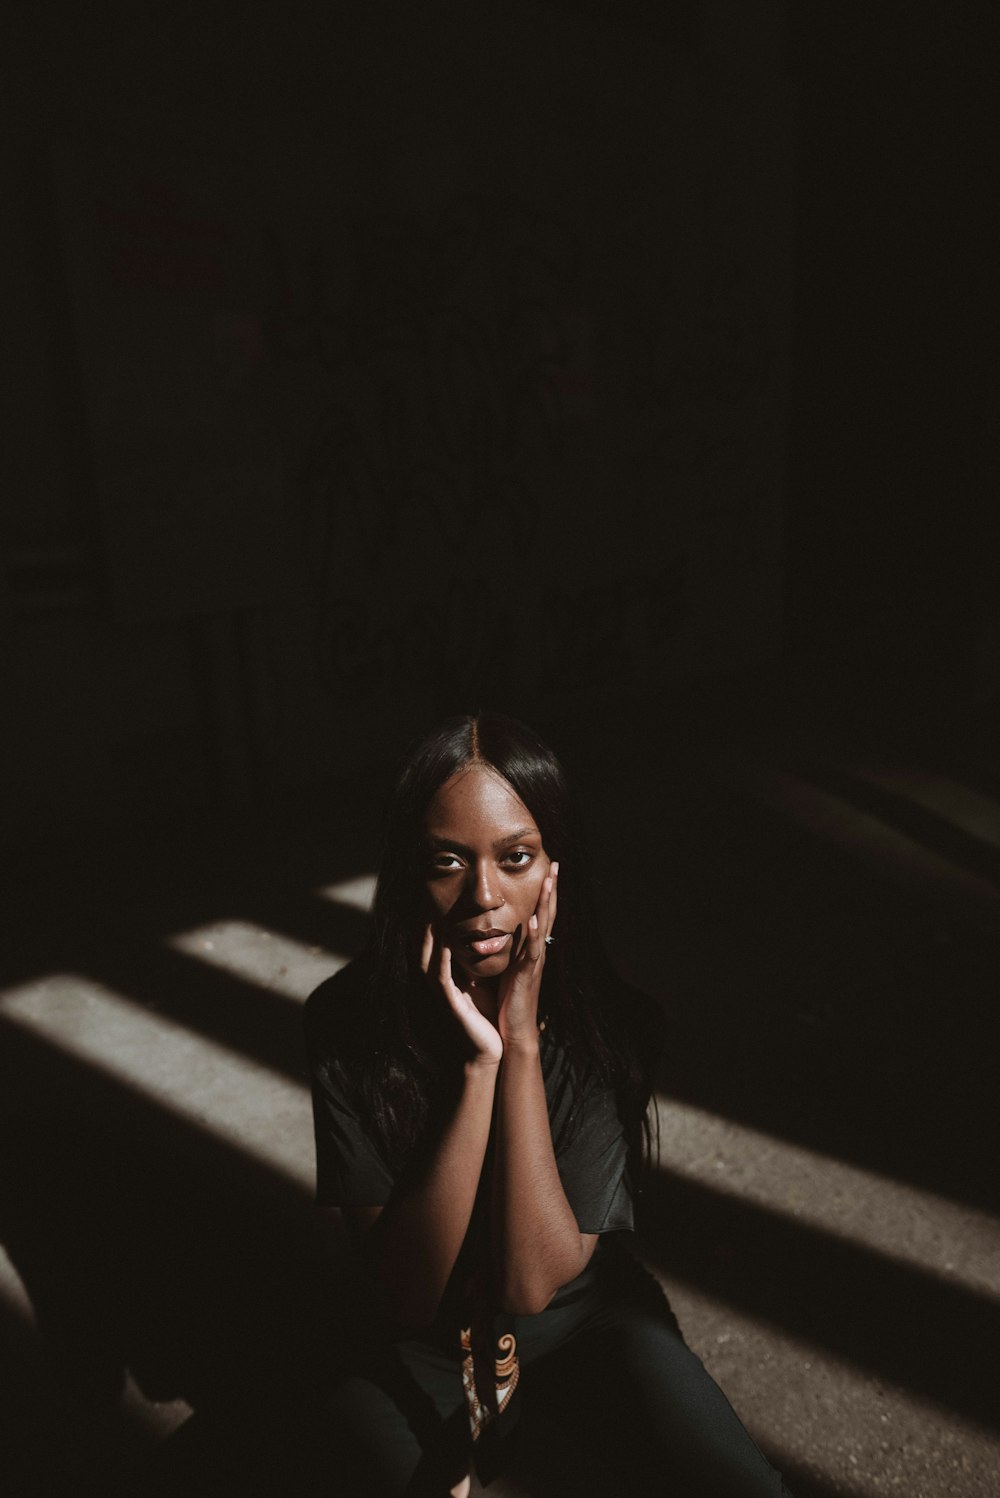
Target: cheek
{"points": [[530, 891], [436, 899]]}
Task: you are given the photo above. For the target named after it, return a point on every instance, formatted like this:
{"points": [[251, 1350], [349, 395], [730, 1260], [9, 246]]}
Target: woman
{"points": [[481, 1079]]}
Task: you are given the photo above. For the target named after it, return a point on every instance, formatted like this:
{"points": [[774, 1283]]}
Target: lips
{"points": [[485, 943]]}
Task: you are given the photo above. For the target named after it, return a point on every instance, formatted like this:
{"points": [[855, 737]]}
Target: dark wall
{"points": [[891, 584], [379, 361]]}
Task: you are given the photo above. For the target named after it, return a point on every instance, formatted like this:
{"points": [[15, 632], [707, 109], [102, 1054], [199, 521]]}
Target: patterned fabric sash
{"points": [[488, 1391], [490, 1375]]}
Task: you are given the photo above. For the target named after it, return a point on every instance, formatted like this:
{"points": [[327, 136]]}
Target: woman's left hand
{"points": [[521, 983]]}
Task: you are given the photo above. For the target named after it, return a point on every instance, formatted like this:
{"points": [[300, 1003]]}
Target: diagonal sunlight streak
{"points": [[14, 1297], [799, 1397], [955, 1244], [839, 822], [260, 956], [267, 1114], [261, 1112], [267, 1118], [359, 892], [965, 808]]}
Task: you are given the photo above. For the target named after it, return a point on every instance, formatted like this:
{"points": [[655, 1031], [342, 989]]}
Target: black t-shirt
{"points": [[351, 1171]]}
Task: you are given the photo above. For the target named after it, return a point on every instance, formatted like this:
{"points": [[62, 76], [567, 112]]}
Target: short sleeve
{"points": [[591, 1151], [350, 1171]]}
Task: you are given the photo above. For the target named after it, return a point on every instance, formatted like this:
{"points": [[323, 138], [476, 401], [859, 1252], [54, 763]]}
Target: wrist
{"points": [[524, 1047], [482, 1069]]}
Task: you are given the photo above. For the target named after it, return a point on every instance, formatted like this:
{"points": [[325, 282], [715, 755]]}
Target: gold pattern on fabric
{"points": [[484, 1405]]}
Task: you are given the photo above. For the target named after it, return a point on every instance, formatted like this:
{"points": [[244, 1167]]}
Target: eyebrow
{"points": [[501, 842]]}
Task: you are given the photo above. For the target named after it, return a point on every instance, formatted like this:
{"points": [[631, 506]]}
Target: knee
{"points": [[639, 1339]]}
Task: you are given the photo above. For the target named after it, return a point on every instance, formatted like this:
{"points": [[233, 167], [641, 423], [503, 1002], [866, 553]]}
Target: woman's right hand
{"points": [[435, 960]]}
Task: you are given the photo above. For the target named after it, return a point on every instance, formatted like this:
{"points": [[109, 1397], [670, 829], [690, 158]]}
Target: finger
{"points": [[446, 979], [542, 908], [535, 945], [427, 949], [454, 992], [553, 897], [444, 970], [515, 944]]}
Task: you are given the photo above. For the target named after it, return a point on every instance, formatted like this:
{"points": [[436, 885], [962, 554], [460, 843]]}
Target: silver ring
{"points": [[550, 941]]}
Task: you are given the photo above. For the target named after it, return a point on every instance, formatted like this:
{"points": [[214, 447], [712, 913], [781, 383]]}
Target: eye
{"points": [[444, 862], [519, 858]]}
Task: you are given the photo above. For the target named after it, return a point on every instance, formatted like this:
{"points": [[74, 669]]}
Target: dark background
{"points": [[369, 362], [629, 367]]}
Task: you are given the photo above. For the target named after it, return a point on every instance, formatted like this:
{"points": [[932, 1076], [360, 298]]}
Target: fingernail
{"points": [[554, 870]]}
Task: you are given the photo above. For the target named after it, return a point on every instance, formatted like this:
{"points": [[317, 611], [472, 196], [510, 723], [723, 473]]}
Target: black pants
{"points": [[608, 1373]]}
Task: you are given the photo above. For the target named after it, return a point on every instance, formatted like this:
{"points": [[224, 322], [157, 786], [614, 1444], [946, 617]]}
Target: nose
{"points": [[484, 887]]}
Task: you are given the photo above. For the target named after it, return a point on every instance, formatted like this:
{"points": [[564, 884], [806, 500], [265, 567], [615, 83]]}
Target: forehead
{"points": [[477, 801]]}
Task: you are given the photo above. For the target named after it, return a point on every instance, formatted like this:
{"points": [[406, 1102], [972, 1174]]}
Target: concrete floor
{"points": [[822, 921]]}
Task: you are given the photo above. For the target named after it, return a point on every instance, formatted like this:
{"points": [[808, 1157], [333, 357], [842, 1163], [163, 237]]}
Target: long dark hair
{"points": [[610, 1031]]}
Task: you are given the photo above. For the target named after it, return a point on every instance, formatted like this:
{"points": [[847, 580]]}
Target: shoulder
{"points": [[334, 1012]]}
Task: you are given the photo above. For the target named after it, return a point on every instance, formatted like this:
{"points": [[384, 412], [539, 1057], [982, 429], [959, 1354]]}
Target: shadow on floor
{"points": [[810, 997]]}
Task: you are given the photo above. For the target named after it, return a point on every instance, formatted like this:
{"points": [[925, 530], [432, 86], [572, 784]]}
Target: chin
{"points": [[490, 967]]}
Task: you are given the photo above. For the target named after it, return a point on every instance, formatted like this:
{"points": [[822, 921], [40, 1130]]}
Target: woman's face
{"points": [[485, 868]]}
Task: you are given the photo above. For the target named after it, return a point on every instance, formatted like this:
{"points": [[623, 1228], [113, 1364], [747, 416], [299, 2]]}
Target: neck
{"points": [[484, 995]]}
